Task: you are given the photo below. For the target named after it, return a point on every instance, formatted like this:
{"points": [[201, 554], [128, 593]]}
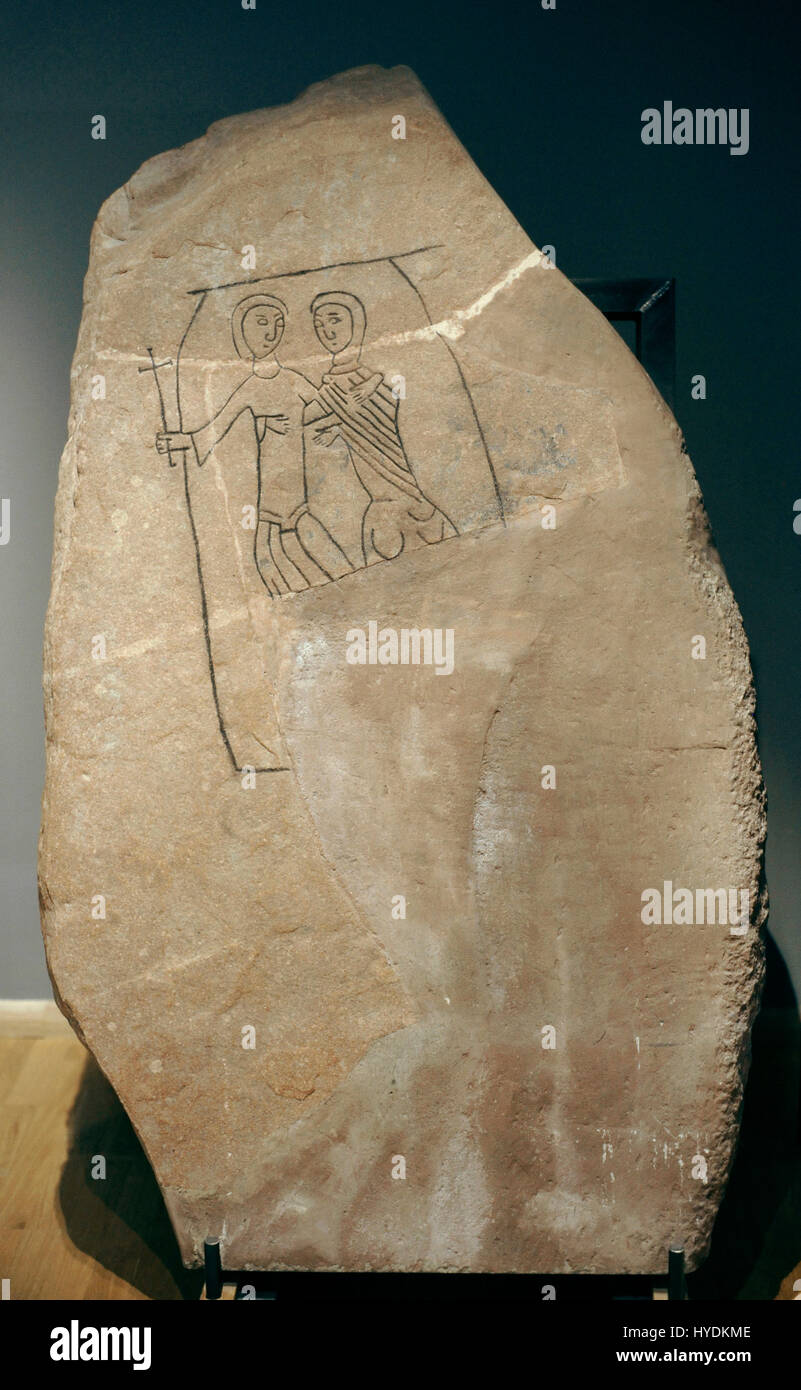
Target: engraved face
{"points": [[333, 324], [262, 328]]}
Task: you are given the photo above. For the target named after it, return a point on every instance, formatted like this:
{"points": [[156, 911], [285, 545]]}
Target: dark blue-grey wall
{"points": [[548, 103]]}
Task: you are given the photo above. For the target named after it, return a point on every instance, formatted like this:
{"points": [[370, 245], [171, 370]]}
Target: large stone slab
{"points": [[371, 950]]}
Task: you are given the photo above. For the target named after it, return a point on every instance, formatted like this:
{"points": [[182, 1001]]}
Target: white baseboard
{"points": [[32, 1018]]}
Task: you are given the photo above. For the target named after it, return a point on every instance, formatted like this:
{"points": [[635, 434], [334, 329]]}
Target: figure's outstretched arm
{"points": [[206, 438]]}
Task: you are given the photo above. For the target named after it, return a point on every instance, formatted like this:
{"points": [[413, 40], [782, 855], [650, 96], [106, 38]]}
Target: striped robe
{"points": [[399, 513]]}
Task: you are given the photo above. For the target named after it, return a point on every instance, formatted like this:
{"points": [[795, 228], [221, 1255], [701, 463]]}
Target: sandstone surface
{"points": [[366, 947]]}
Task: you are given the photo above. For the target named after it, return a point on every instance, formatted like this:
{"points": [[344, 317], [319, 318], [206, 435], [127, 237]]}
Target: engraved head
{"points": [[339, 321], [333, 325], [262, 328], [258, 325]]}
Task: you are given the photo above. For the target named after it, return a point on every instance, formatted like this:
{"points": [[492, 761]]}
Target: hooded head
{"points": [[340, 323], [257, 324]]}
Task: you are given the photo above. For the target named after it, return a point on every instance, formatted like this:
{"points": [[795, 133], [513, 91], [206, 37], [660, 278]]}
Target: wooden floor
{"points": [[67, 1234], [63, 1233]]}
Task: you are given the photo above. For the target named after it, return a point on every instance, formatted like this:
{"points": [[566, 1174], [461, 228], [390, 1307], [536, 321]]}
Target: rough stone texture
{"points": [[264, 901]]}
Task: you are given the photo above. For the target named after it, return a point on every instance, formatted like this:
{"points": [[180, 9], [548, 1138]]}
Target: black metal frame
{"points": [[650, 304], [616, 1288]]}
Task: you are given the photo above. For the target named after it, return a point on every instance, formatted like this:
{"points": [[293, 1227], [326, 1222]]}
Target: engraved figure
{"points": [[358, 406], [292, 548]]}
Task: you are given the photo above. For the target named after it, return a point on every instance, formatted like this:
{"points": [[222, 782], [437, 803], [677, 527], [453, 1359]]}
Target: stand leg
{"points": [[677, 1288], [213, 1263]]}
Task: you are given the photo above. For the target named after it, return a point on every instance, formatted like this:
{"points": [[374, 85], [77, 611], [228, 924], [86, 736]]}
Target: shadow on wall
{"points": [[120, 1221], [756, 1245]]}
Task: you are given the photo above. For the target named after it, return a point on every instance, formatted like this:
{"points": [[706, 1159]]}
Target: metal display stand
{"points": [[677, 1284], [650, 304], [259, 1285]]}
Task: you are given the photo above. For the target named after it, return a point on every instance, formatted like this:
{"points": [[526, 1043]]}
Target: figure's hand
{"points": [[172, 439], [361, 393], [326, 435], [279, 424]]}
